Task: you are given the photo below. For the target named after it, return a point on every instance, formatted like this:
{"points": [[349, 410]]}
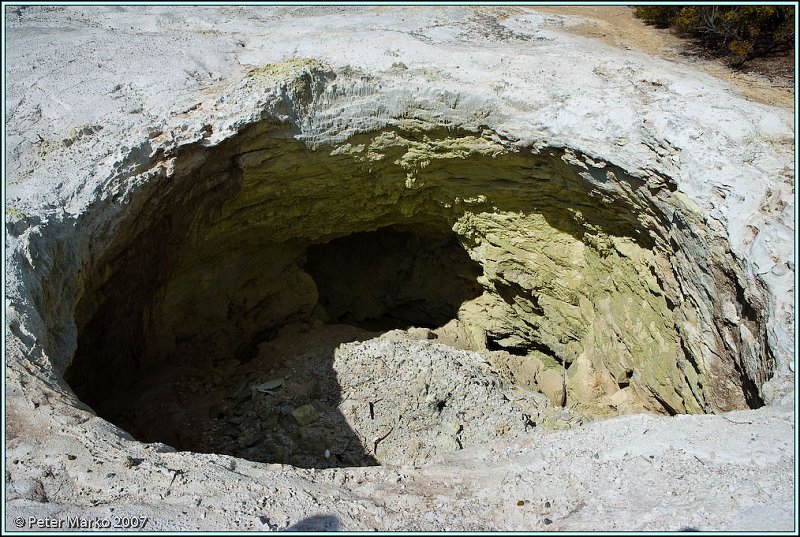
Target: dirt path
{"points": [[616, 26]]}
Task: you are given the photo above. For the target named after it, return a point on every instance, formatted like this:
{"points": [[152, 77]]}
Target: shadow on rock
{"points": [[316, 523]]}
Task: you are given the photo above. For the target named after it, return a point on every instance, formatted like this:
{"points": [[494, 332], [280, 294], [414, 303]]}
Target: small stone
{"points": [[453, 427], [30, 489], [131, 462], [547, 521], [269, 386], [447, 444], [421, 333], [306, 414], [551, 383], [520, 503]]}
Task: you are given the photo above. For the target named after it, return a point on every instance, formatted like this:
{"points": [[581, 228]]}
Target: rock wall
{"points": [[585, 266]]}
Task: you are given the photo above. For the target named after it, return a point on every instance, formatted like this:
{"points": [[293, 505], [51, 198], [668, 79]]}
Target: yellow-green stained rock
{"points": [[570, 282], [306, 414]]}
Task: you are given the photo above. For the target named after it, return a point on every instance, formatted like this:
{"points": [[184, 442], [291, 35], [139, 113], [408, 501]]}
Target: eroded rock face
{"points": [[543, 267], [578, 267], [575, 262]]}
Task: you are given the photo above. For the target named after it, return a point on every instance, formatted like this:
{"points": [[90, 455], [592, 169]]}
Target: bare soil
{"points": [[764, 80]]}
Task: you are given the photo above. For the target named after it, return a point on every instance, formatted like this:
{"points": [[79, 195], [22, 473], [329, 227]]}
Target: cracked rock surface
{"points": [[390, 268]]}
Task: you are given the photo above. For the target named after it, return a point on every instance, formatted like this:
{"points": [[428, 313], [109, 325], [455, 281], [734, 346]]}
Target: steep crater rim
{"points": [[239, 307]]}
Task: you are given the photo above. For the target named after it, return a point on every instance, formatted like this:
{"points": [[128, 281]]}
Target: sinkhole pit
{"points": [[403, 294]]}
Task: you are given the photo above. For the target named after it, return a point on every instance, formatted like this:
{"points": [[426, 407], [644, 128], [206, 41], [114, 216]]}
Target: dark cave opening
{"points": [[212, 320], [195, 399], [395, 277]]}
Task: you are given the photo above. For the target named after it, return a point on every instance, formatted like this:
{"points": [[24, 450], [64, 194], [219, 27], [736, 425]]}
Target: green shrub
{"points": [[661, 16], [739, 32]]}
